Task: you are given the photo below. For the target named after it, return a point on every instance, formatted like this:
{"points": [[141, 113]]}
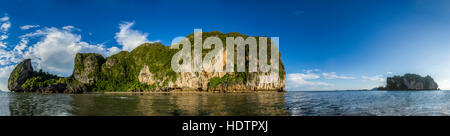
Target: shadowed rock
{"points": [[87, 67], [19, 75], [410, 82]]}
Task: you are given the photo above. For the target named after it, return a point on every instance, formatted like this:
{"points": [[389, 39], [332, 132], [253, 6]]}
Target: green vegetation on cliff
{"points": [[19, 75], [122, 72], [410, 82], [40, 79], [238, 77], [227, 79]]}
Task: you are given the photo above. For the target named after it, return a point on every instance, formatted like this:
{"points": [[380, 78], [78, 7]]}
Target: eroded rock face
{"points": [[77, 88], [87, 67], [190, 81], [146, 68], [214, 80], [201, 81], [19, 75], [145, 76], [410, 82]]}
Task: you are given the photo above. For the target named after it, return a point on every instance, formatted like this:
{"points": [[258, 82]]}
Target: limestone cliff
{"points": [[146, 68], [20, 75], [410, 82], [87, 67]]}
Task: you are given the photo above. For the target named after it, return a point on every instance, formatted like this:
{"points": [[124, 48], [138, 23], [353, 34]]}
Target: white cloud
{"points": [[129, 38], [299, 81], [6, 57], [389, 73], [5, 18], [333, 75], [4, 27], [2, 44], [3, 37], [54, 52], [377, 78], [312, 80], [26, 27], [4, 75], [295, 76], [111, 51], [57, 49], [70, 28], [312, 70]]}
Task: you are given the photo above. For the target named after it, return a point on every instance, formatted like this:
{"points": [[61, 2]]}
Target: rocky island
{"points": [[147, 68], [410, 82]]}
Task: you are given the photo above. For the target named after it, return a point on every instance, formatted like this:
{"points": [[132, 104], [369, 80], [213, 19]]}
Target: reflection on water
{"points": [[229, 104], [104, 105], [213, 104], [4, 104], [159, 104], [25, 104]]}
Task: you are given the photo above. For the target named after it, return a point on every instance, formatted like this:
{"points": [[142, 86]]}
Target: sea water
{"points": [[304, 103]]}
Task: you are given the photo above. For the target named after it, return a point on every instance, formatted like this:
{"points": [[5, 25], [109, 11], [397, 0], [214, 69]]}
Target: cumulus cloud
{"points": [[302, 81], [58, 47], [377, 78], [26, 27], [129, 38], [53, 52], [333, 75]]}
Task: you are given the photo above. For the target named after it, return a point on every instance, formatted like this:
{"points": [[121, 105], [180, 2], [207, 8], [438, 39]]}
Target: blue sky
{"points": [[325, 44]]}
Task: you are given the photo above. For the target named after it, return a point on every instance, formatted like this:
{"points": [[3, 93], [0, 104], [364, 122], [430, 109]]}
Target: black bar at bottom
{"points": [[259, 125]]}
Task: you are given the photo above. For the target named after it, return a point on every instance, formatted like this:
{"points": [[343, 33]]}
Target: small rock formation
{"points": [[24, 79], [19, 75], [410, 82]]}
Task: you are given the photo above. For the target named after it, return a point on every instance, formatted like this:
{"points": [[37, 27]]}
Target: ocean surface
{"points": [[329, 103]]}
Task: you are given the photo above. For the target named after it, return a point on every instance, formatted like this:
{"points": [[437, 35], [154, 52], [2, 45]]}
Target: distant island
{"points": [[410, 82], [147, 68]]}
